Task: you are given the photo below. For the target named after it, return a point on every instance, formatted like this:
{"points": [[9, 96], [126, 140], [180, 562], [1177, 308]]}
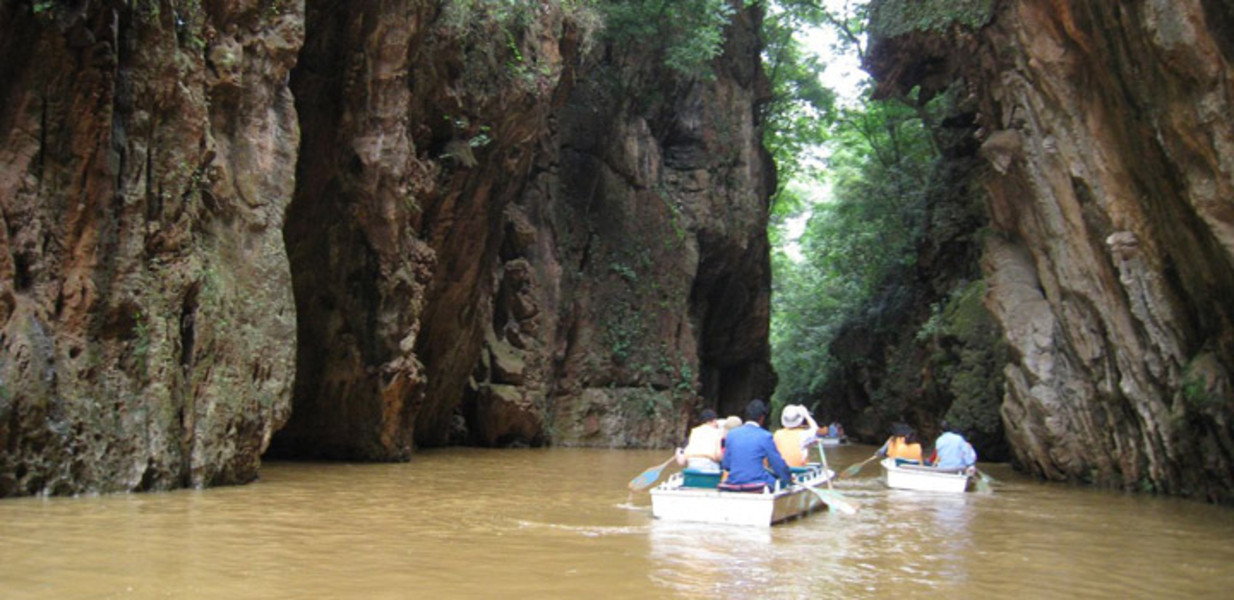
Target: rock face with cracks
{"points": [[350, 229], [1110, 261], [497, 241], [146, 161]]}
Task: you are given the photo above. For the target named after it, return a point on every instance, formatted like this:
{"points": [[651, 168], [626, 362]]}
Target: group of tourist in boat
{"points": [[751, 456], [951, 451], [753, 459]]}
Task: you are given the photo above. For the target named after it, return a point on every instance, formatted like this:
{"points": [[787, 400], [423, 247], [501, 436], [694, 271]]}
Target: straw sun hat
{"points": [[792, 415]]}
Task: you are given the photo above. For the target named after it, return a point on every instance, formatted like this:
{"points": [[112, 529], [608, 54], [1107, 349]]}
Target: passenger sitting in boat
{"points": [[705, 446], [902, 445], [795, 438], [951, 451], [745, 450], [834, 430]]}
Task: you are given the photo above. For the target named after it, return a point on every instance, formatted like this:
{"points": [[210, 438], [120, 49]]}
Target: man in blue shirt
{"points": [[952, 451], [745, 449]]}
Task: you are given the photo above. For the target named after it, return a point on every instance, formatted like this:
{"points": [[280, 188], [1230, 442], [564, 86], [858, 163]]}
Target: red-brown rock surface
{"points": [[492, 247], [455, 232], [146, 162]]}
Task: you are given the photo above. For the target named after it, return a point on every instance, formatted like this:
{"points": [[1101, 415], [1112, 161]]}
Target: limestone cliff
{"points": [[645, 289], [1105, 127], [146, 158], [507, 232], [385, 225]]}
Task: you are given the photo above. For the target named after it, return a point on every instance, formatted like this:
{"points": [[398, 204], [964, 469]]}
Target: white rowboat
{"points": [[674, 501], [928, 479], [832, 442]]}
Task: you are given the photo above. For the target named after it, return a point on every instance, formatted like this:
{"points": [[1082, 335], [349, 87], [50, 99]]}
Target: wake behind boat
{"points": [[917, 477], [693, 496]]}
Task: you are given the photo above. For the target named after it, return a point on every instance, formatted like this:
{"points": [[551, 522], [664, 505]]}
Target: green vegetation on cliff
{"points": [[877, 306], [868, 230], [897, 17], [687, 33]]}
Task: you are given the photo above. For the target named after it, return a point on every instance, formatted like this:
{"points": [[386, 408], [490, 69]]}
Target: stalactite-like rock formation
{"points": [[1106, 129]]}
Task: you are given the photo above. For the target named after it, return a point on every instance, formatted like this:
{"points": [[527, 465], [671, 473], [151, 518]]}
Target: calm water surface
{"points": [[560, 523]]}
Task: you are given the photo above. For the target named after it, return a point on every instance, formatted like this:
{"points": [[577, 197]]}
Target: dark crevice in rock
{"points": [[1219, 18], [188, 316]]}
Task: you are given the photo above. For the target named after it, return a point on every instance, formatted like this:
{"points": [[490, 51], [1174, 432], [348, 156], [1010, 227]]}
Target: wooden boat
{"points": [[917, 477], [689, 496]]}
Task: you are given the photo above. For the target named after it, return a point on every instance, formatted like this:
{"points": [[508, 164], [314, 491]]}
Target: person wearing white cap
{"points": [[799, 432]]}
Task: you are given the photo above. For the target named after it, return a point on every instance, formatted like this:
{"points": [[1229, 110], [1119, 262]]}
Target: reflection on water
{"points": [[560, 523]]}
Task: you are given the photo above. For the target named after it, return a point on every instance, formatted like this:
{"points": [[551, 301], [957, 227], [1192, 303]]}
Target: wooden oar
{"points": [[833, 499], [648, 477]]}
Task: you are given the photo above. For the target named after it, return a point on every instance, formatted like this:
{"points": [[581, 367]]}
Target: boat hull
{"points": [[926, 479], [671, 501]]}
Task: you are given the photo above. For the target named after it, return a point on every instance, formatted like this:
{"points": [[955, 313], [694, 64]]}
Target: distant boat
{"points": [[834, 441], [917, 477], [691, 496]]}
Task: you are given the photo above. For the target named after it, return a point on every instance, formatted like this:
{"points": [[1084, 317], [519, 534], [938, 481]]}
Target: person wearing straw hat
{"points": [[798, 434]]}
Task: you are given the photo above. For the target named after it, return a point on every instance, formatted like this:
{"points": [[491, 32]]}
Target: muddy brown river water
{"points": [[560, 523]]}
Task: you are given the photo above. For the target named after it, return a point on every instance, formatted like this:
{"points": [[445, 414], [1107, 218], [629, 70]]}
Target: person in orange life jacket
{"points": [[745, 450], [952, 451], [902, 444], [704, 448], [798, 434]]}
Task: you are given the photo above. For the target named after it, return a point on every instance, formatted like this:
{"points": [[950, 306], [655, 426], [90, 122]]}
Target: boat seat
{"points": [[692, 478], [904, 461], [744, 487]]}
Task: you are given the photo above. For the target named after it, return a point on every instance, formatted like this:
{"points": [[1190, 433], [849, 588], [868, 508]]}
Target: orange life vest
{"points": [[788, 442], [898, 448]]}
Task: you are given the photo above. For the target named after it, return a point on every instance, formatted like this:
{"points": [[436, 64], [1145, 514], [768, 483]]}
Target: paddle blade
{"points": [[835, 501], [983, 483], [646, 478], [854, 469]]}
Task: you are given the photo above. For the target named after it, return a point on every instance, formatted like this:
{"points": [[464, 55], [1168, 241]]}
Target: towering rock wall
{"points": [[636, 285], [381, 224], [502, 238], [1105, 126], [146, 157]]}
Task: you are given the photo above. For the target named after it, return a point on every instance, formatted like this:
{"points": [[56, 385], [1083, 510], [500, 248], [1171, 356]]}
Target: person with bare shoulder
{"points": [[704, 448]]}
